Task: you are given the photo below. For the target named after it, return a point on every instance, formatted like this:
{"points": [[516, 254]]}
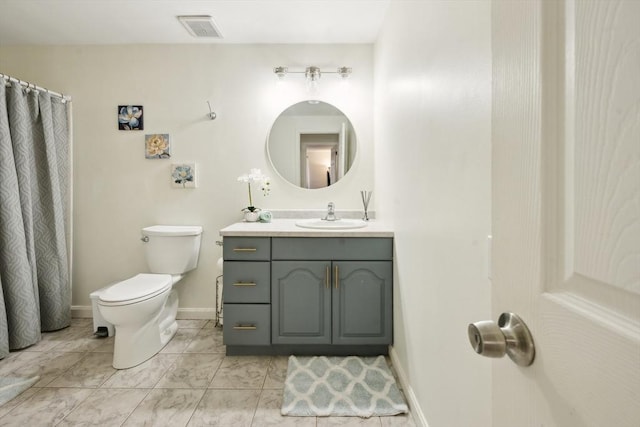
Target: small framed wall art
{"points": [[183, 175], [157, 146], [130, 117]]}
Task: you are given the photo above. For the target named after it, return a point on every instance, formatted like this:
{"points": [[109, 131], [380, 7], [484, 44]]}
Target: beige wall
{"points": [[117, 191], [432, 171]]}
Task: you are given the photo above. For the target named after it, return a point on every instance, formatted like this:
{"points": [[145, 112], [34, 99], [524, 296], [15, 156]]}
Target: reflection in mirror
{"points": [[312, 144]]}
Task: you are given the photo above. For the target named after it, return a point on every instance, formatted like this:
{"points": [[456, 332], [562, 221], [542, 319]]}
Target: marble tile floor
{"points": [[189, 383]]}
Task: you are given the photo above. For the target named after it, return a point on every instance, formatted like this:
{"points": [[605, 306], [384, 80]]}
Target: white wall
{"points": [[117, 191], [432, 176]]}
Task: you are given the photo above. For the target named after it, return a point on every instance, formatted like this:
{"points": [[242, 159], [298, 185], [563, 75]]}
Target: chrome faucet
{"points": [[331, 212]]}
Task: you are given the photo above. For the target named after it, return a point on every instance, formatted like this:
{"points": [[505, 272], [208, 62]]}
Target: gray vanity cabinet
{"points": [[343, 300], [307, 295]]}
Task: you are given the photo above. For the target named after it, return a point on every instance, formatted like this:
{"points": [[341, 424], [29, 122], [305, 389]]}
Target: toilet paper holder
{"points": [[509, 336]]}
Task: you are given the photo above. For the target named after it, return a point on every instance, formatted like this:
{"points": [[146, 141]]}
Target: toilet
{"points": [[143, 308]]}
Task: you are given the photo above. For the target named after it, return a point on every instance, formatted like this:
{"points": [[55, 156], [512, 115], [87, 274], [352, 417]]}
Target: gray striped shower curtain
{"points": [[34, 186]]}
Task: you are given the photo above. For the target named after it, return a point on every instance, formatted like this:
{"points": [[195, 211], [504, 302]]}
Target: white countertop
{"points": [[286, 227]]}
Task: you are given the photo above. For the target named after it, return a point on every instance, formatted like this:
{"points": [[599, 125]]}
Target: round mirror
{"points": [[312, 144]]}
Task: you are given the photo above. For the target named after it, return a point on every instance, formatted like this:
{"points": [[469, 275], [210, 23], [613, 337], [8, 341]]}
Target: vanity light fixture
{"points": [[312, 73]]}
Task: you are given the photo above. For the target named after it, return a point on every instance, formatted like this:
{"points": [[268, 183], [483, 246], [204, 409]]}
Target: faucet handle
{"points": [[331, 214]]}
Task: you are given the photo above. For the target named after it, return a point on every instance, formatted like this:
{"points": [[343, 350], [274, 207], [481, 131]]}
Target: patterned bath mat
{"points": [[341, 386]]}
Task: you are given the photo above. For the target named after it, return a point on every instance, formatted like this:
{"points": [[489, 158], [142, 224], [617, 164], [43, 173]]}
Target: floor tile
{"points": [[48, 366], [348, 422], [241, 372], [180, 341], [8, 406], [105, 345], [166, 407], [48, 341], [277, 372], [145, 375], [206, 341], [226, 408], [105, 408], [82, 322], [405, 420], [211, 324], [77, 340], [191, 371], [191, 323], [268, 412], [90, 372], [13, 361], [47, 407]]}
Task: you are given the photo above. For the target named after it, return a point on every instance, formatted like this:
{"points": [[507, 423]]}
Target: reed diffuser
{"points": [[366, 197]]}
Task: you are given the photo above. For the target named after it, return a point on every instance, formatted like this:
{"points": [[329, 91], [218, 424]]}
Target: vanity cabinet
{"points": [[297, 295]]}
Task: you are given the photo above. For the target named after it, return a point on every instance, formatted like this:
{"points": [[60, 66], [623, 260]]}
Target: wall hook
{"points": [[212, 115]]}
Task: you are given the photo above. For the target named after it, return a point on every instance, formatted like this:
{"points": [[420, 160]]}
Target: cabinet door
{"points": [[301, 302], [362, 302]]}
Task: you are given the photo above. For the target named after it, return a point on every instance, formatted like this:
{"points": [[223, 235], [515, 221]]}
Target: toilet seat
{"points": [[135, 289]]}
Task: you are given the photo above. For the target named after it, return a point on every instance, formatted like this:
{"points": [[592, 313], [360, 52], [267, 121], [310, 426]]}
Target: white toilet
{"points": [[143, 308]]}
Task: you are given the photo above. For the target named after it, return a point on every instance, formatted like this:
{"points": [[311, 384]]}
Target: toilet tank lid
{"points": [[172, 230]]}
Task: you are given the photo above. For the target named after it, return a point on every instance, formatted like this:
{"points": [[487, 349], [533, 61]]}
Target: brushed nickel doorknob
{"points": [[510, 336]]}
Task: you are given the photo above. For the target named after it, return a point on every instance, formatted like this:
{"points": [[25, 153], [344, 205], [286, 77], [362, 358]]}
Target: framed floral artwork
{"points": [[130, 117], [183, 175], [157, 146]]}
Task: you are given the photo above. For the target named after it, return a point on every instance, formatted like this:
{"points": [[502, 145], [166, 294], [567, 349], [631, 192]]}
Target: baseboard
{"points": [[196, 313], [85, 312], [414, 406], [81, 312]]}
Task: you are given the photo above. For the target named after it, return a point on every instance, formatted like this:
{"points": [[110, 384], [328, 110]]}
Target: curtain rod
{"points": [[33, 86]]}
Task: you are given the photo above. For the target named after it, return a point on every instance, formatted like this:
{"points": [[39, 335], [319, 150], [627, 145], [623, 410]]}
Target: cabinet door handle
{"points": [[244, 284], [335, 278], [326, 278], [245, 328], [244, 249]]}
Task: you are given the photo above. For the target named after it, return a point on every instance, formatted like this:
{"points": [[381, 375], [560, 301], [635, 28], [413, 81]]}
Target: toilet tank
{"points": [[172, 249]]}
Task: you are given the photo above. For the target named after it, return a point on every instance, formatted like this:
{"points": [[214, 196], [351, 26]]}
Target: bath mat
{"points": [[341, 386], [11, 387]]}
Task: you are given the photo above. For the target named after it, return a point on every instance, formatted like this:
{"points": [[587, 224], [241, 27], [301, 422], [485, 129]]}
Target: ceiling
{"points": [[53, 22]]}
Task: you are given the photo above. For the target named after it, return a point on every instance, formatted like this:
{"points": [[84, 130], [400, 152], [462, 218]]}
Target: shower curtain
{"points": [[34, 184]]}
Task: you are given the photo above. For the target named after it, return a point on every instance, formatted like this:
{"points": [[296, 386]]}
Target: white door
{"points": [[342, 151], [566, 209]]}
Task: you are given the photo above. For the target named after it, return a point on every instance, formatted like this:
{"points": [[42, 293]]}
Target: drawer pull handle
{"points": [[244, 284], [245, 328], [326, 279], [244, 249]]}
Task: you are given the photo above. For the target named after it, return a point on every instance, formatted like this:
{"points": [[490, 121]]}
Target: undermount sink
{"points": [[338, 224]]}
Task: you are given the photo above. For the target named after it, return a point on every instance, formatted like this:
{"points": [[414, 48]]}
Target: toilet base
{"points": [[133, 346]]}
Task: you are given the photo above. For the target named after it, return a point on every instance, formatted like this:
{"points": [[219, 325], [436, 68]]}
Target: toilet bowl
{"points": [[143, 308]]}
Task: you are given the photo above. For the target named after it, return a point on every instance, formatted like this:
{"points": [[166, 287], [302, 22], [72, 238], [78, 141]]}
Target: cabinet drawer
{"points": [[247, 282], [330, 248], [247, 248], [247, 324]]}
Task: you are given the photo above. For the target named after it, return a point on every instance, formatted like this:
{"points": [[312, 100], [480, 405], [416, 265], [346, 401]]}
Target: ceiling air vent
{"points": [[200, 26]]}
